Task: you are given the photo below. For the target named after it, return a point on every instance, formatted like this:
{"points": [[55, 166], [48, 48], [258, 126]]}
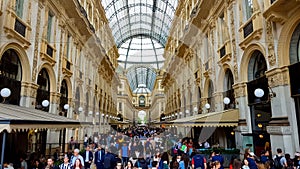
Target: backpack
{"points": [[107, 161], [142, 165], [277, 164], [198, 162]]}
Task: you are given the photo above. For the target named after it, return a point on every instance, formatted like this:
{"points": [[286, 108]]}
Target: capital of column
{"points": [[278, 76], [54, 97], [29, 89], [240, 89]]}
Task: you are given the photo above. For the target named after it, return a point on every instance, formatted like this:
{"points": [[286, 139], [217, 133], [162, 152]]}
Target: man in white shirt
{"points": [[76, 156]]}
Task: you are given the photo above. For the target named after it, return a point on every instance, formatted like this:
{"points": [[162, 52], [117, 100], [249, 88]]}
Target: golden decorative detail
{"points": [[270, 42], [278, 77], [240, 89], [36, 45]]}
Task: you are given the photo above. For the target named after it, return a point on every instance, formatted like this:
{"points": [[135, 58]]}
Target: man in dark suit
{"points": [[88, 157], [99, 157]]}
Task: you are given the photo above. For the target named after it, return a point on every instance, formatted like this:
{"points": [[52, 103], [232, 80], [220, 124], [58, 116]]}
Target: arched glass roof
{"points": [[141, 77], [141, 50], [140, 29], [129, 18]]}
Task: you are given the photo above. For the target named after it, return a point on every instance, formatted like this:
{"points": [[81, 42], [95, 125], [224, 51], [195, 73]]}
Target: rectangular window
{"points": [[120, 106], [19, 8], [248, 9], [221, 22], [49, 26]]}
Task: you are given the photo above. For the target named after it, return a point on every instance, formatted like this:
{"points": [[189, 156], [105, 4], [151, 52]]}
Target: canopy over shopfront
{"points": [[17, 118], [226, 118]]}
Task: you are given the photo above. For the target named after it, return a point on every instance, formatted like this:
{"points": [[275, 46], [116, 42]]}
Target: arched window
{"points": [[87, 103], [43, 92], [228, 91], [257, 66], [210, 99], [77, 100], [11, 75], [63, 98], [142, 101]]}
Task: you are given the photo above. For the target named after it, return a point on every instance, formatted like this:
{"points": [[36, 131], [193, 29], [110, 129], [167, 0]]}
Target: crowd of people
{"points": [[143, 148]]}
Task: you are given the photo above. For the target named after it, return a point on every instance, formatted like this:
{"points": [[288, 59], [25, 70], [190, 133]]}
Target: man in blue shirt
{"points": [[219, 158]]}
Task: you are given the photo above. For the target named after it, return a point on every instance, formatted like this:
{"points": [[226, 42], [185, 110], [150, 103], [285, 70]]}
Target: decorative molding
{"points": [[240, 89], [36, 44], [270, 43], [278, 77], [279, 130]]}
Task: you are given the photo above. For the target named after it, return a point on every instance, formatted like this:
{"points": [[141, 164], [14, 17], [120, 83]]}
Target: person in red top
{"points": [[190, 146]]}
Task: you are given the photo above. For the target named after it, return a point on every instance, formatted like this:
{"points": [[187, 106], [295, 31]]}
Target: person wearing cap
{"points": [[75, 156]]}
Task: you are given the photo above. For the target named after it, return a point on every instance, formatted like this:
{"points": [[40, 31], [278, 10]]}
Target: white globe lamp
{"points": [[80, 109], [226, 100], [66, 106], [259, 92], [207, 106], [45, 103], [5, 92]]}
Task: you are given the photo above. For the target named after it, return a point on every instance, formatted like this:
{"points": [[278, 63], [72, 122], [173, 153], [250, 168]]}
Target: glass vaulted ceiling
{"points": [[140, 29]]}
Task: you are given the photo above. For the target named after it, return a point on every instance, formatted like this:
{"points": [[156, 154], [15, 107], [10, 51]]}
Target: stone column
{"points": [[283, 125], [54, 102], [242, 132], [28, 94]]}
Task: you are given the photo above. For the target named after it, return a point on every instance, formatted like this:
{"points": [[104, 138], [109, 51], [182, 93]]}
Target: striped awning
{"points": [[18, 118], [226, 118]]}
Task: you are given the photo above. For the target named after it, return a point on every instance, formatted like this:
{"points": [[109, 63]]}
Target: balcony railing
{"points": [[20, 28], [248, 29]]}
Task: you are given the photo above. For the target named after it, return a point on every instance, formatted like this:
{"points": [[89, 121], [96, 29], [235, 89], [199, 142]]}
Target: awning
{"points": [[18, 118], [226, 118]]}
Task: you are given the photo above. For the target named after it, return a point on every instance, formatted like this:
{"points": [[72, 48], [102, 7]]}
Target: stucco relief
{"points": [[239, 90], [278, 77], [270, 41], [36, 44]]}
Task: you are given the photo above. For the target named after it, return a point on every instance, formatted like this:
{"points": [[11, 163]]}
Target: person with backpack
{"points": [[198, 162], [109, 160], [141, 163], [279, 160]]}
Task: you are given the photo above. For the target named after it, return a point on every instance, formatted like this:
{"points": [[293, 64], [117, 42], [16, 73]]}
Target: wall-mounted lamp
{"points": [[45, 103], [196, 109], [226, 100], [5, 93], [80, 109], [207, 106], [66, 106], [259, 93], [90, 113], [187, 111], [97, 113]]}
